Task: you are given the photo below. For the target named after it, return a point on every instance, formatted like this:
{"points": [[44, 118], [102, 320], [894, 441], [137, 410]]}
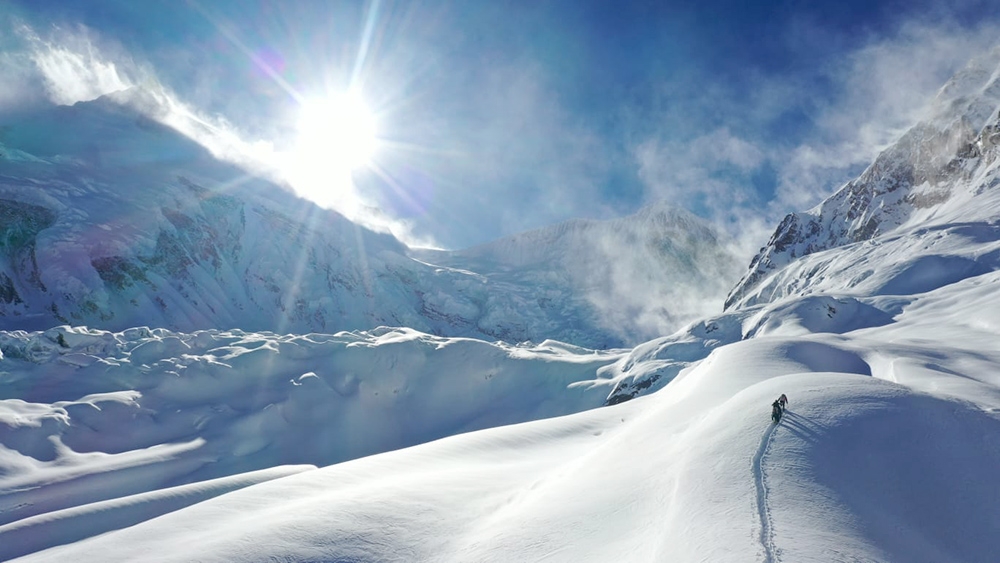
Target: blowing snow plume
{"points": [[637, 277]]}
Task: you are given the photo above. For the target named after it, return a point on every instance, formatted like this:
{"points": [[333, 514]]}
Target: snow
{"points": [[67, 525], [887, 452], [392, 444], [902, 263], [936, 181]]}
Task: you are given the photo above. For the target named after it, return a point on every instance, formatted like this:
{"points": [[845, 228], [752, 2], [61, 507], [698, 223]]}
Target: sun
{"points": [[335, 135], [339, 128]]}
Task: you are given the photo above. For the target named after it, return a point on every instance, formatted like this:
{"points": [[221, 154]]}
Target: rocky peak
{"points": [[920, 171]]}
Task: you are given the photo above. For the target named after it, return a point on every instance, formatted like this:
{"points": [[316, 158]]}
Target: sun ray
{"points": [[397, 189], [231, 36], [371, 16]]}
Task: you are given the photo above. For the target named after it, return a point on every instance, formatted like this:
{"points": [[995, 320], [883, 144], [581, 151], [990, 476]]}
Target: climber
{"points": [[776, 411], [784, 401]]}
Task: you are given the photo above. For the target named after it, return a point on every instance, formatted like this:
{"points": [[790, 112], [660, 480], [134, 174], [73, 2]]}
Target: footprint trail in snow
{"points": [[763, 512]]}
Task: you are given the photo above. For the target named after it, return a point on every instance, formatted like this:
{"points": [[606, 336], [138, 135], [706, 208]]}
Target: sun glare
{"points": [[335, 136], [339, 128]]}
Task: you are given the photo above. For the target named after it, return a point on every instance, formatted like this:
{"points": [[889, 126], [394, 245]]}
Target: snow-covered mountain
{"points": [[933, 189], [636, 277], [111, 220], [877, 313]]}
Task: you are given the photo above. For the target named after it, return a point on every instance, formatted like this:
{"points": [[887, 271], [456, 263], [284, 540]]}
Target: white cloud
{"points": [[711, 173], [711, 170], [19, 80]]}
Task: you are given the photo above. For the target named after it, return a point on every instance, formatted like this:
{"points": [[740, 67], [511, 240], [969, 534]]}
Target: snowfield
{"points": [[887, 453], [90, 416]]}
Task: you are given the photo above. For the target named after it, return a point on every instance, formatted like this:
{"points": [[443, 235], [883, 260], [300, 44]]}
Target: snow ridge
{"points": [[941, 171]]}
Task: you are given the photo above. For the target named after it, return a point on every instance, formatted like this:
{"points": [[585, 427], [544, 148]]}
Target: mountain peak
{"points": [[973, 94], [941, 170]]}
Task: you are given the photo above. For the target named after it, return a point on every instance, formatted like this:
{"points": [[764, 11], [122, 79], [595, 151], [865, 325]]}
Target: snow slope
{"points": [[888, 453]]}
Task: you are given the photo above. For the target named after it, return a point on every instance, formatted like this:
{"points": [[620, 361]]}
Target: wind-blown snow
{"points": [[637, 277], [939, 179]]}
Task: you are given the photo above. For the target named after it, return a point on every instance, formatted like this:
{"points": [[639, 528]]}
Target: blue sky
{"points": [[500, 116]]}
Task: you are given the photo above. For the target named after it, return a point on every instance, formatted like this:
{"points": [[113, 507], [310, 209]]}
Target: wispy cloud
{"points": [[20, 80], [501, 150], [712, 174], [75, 65], [710, 151], [710, 169], [883, 88], [540, 152]]}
